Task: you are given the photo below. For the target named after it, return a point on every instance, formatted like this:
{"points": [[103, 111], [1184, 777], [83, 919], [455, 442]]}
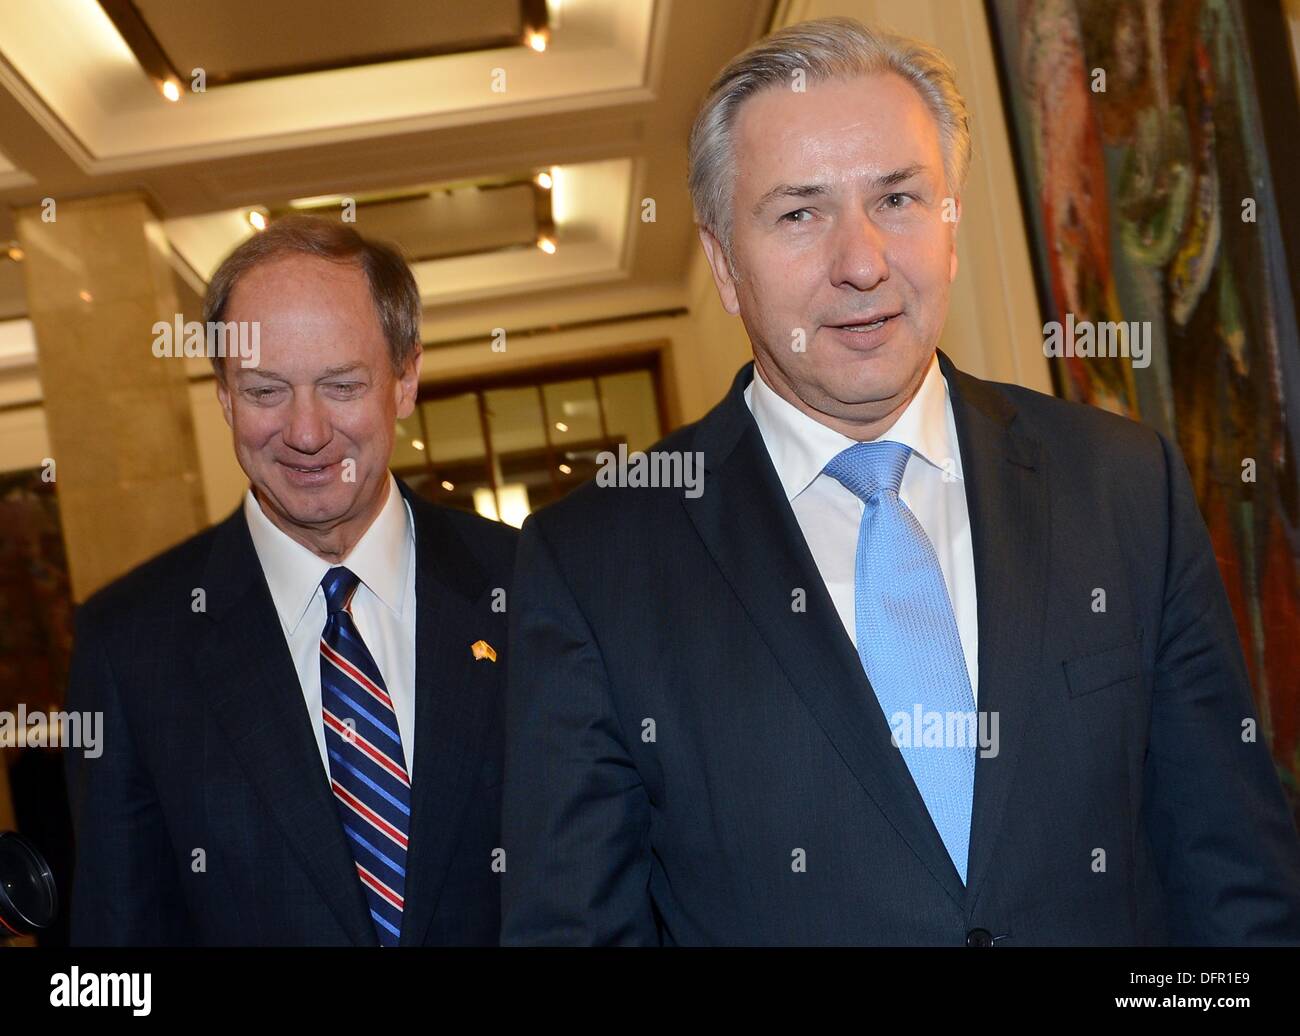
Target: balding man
{"points": [[313, 754]]}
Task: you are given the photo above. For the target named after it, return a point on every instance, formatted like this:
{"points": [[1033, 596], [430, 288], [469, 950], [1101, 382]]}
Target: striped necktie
{"points": [[908, 640], [366, 762]]}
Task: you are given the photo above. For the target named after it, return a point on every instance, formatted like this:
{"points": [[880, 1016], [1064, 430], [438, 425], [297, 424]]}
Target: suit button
{"points": [[979, 937]]}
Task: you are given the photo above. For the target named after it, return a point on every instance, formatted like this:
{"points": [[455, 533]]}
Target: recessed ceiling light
{"points": [[546, 244], [560, 426], [448, 486], [566, 469], [537, 39], [256, 220], [171, 89], [15, 252], [544, 181]]}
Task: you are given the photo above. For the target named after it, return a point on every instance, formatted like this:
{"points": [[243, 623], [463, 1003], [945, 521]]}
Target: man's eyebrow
{"points": [[329, 372], [814, 190], [260, 372], [893, 179], [789, 190], [343, 368]]}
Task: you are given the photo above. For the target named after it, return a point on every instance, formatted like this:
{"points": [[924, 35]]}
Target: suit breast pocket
{"points": [[1097, 670]]}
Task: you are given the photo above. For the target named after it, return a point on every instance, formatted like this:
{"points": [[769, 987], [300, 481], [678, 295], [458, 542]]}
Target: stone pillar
{"points": [[121, 434]]}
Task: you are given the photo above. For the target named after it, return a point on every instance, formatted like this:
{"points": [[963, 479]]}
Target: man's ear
{"points": [[223, 397], [408, 384], [723, 278]]}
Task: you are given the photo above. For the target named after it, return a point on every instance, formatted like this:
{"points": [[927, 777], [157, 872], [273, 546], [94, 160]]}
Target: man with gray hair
{"points": [[860, 690]]}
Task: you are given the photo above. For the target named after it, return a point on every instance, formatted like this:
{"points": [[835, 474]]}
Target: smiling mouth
{"points": [[872, 326], [306, 470]]}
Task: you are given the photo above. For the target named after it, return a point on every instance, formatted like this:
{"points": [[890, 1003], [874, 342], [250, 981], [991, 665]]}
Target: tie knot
{"points": [[867, 468], [339, 584]]}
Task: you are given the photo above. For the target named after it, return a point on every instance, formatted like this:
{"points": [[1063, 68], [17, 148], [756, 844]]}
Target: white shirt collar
{"points": [[380, 558], [801, 447]]}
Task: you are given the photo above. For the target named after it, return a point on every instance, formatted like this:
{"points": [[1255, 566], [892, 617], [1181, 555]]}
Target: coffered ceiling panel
{"points": [[245, 39], [110, 115]]}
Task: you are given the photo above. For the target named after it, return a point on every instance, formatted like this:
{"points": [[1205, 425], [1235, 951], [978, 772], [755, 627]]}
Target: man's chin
{"points": [[854, 388], [314, 508], [870, 378]]}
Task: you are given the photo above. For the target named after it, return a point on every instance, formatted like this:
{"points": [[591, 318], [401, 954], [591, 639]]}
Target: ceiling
{"points": [[433, 138], [243, 39]]}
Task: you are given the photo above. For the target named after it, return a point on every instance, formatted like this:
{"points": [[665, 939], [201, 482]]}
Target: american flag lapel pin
{"points": [[482, 649]]}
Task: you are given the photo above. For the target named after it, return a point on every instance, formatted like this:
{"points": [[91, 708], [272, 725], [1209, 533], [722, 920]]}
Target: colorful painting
{"points": [[1143, 131]]}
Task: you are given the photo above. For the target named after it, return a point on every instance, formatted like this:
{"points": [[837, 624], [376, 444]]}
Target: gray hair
{"points": [[829, 48]]}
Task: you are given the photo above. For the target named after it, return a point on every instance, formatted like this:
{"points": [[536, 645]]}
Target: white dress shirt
{"points": [[383, 606], [829, 515]]}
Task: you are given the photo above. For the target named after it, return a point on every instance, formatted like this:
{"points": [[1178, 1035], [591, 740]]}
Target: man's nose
{"points": [[859, 259], [308, 428]]}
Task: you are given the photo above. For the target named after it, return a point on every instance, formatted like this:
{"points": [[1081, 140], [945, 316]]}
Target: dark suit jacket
{"points": [[207, 745], [679, 736]]}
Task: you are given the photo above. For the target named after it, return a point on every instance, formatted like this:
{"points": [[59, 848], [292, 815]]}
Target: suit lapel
{"points": [[453, 705], [244, 665], [1006, 495], [755, 540]]}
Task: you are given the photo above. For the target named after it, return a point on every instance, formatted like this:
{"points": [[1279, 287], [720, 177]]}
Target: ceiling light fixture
{"points": [[144, 46], [256, 219], [15, 252], [537, 39], [546, 244]]}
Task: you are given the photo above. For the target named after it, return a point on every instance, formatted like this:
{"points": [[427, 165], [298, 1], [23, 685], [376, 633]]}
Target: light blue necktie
{"points": [[907, 638]]}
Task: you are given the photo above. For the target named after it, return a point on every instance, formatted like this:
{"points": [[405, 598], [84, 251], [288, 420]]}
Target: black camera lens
{"points": [[28, 899]]}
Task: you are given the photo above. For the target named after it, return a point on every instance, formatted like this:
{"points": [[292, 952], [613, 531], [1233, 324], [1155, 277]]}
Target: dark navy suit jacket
{"points": [[207, 745], [680, 737]]}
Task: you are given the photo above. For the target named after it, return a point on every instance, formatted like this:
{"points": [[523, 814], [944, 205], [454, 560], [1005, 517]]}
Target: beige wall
{"points": [[714, 346], [24, 441]]}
